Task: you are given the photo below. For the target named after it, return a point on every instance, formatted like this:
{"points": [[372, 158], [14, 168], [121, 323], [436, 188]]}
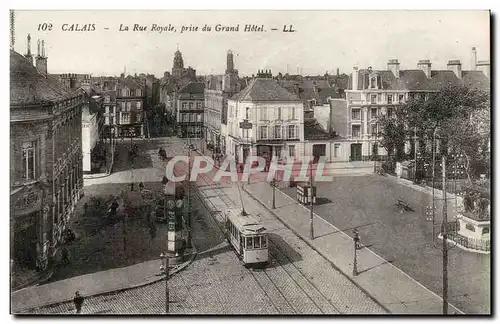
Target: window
{"points": [[336, 150], [486, 230], [106, 110], [192, 118], [191, 105], [106, 99], [389, 112], [389, 99], [129, 105], [291, 151], [291, 131], [401, 98], [198, 118], [470, 227], [356, 130], [199, 105], [293, 113], [373, 82], [28, 149], [138, 117], [184, 118], [184, 105], [125, 118], [373, 99], [356, 114], [278, 113], [277, 131], [138, 92], [249, 242], [263, 113], [373, 113], [263, 241], [263, 132], [138, 105], [256, 242], [247, 113], [374, 129]]}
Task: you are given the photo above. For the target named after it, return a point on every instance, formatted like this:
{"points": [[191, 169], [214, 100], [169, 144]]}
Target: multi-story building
{"points": [[264, 119], [123, 109], [375, 92], [217, 91], [190, 103], [46, 178], [74, 80], [92, 131]]}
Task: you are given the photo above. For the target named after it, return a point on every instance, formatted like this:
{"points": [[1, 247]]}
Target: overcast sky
{"points": [[323, 41]]}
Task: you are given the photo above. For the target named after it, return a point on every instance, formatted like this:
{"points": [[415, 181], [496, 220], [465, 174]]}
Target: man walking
{"points": [[78, 301]]}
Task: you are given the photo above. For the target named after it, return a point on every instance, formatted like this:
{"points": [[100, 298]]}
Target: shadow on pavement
{"points": [[281, 251]]}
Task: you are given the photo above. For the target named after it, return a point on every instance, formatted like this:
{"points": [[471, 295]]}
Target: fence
{"points": [[470, 243]]}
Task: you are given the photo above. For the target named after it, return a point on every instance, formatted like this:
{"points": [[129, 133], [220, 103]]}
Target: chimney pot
{"points": [[393, 66], [456, 67]]}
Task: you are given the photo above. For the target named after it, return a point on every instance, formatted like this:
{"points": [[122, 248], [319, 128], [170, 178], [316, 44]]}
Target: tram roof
{"points": [[246, 224]]}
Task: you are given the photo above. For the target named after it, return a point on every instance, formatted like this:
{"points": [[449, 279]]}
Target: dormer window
{"points": [[373, 82]]}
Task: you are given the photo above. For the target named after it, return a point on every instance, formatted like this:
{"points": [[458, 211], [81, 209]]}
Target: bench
{"points": [[403, 205]]}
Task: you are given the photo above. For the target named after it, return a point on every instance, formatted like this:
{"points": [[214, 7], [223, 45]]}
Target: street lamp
{"points": [[355, 239], [164, 270], [273, 184]]}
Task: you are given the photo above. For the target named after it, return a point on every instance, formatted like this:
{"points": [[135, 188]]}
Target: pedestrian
{"points": [[141, 186], [78, 301]]}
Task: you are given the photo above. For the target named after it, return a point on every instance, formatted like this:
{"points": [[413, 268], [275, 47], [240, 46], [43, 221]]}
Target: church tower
{"points": [[178, 67], [230, 62]]}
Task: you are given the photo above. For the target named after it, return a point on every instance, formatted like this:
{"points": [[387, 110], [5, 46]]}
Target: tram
{"points": [[248, 237]]}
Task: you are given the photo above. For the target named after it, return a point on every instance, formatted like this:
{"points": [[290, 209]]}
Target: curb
{"points": [[25, 311], [305, 240]]}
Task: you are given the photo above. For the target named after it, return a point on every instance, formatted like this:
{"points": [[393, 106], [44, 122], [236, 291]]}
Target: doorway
{"points": [[356, 152], [319, 150]]}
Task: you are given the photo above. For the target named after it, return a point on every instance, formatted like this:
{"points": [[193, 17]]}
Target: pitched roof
{"points": [[415, 80], [28, 86], [128, 82], [314, 131], [265, 90], [193, 87]]}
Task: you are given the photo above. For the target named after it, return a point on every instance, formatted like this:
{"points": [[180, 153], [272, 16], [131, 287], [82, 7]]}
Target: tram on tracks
{"points": [[248, 238]]}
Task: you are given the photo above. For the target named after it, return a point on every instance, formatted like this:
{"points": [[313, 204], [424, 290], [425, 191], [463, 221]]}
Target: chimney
{"points": [[474, 59], [484, 66], [393, 66], [41, 60], [338, 71], [456, 67], [425, 65], [28, 54], [355, 76]]}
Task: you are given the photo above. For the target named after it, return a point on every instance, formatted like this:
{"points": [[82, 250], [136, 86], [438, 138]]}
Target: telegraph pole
{"points": [[445, 237]]}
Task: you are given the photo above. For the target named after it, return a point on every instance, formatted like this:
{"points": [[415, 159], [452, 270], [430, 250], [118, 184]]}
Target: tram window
{"points": [[257, 242], [249, 243], [263, 241]]}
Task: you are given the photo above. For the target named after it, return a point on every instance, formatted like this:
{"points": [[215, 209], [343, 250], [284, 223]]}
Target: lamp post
{"points": [[164, 268], [355, 239], [311, 215], [273, 184]]}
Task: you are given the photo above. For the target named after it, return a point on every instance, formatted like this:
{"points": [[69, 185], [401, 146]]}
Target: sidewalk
{"points": [[391, 287], [91, 284]]}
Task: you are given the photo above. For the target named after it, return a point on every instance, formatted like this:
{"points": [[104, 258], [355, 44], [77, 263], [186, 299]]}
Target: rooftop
{"points": [[265, 90]]}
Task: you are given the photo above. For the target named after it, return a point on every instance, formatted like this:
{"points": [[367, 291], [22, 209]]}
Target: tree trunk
{"points": [[469, 180]]}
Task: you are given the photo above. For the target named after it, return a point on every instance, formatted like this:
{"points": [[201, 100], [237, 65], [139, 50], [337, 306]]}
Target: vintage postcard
{"points": [[250, 162]]}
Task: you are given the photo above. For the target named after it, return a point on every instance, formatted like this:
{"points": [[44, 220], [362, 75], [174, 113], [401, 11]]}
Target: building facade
{"points": [[375, 92], [46, 174], [218, 88], [124, 109], [190, 113], [92, 130], [264, 119]]}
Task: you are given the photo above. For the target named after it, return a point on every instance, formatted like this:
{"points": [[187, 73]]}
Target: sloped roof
{"points": [[193, 87], [128, 82], [29, 87], [265, 90], [314, 131], [415, 80], [476, 79]]}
